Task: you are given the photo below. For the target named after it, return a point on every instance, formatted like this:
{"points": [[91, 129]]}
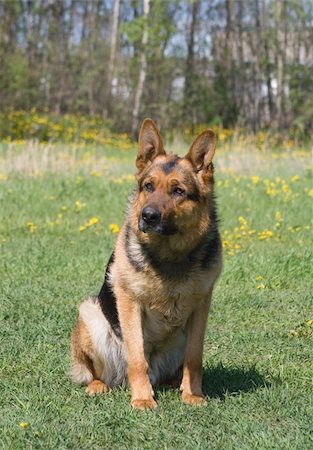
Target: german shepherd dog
{"points": [[147, 324]]}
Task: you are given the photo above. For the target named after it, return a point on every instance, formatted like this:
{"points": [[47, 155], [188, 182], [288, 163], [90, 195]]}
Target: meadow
{"points": [[61, 207]]}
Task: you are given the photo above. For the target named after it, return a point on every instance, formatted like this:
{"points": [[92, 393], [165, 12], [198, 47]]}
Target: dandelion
{"points": [[95, 173], [64, 208], [114, 228], [310, 193], [266, 234], [31, 227], [242, 221], [285, 187], [295, 178], [294, 229], [259, 278], [90, 223], [255, 180], [260, 286], [24, 424], [79, 206], [279, 219], [278, 216]]}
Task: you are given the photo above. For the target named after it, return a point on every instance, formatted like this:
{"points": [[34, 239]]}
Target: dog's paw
{"points": [[144, 404], [194, 400], [96, 387]]}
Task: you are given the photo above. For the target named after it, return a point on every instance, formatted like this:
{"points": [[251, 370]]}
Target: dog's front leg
{"points": [[191, 385], [130, 319]]}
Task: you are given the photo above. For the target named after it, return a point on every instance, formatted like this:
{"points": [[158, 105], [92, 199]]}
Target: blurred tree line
{"points": [[236, 62]]}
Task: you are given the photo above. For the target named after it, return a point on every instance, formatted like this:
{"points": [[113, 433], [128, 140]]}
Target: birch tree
{"points": [[114, 35], [143, 68]]}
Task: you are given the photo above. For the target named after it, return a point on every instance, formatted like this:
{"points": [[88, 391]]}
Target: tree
{"points": [[143, 68], [114, 35]]}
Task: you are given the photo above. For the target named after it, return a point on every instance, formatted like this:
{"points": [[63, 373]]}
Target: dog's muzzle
{"points": [[151, 220]]}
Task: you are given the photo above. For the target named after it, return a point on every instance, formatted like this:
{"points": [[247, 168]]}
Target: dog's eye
{"points": [[148, 187], [178, 191]]}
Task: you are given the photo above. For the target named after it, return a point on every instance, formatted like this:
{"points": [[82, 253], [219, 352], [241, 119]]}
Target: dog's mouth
{"points": [[159, 228]]}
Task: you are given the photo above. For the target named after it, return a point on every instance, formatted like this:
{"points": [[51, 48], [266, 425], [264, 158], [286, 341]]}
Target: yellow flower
{"points": [[94, 173], [266, 234], [310, 193], [255, 179], [285, 187], [295, 178], [24, 424], [92, 221], [278, 216], [309, 322], [31, 227], [64, 208], [259, 278], [260, 286], [242, 221], [114, 228], [79, 205]]}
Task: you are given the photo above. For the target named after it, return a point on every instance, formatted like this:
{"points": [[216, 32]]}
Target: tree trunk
{"points": [[258, 76], [143, 69], [114, 31], [189, 111], [70, 26], [30, 32], [267, 64], [280, 62], [242, 95]]}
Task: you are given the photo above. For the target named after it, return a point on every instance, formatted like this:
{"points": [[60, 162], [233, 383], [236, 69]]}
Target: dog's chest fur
{"points": [[167, 303]]}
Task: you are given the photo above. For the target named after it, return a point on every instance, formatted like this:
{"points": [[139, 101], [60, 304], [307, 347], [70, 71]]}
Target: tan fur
{"points": [[162, 319]]}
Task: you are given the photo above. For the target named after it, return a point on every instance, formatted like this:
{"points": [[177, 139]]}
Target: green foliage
{"points": [[16, 80], [217, 62], [301, 94]]}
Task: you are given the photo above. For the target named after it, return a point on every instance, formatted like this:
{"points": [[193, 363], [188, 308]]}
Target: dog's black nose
{"points": [[151, 215]]}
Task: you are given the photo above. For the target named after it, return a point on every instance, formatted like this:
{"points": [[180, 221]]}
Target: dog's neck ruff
{"points": [[142, 257]]}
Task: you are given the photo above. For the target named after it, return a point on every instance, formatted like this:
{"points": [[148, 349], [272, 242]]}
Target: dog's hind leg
{"points": [[86, 367], [97, 354]]}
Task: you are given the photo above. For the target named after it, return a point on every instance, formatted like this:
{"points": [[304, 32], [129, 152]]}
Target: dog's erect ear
{"points": [[202, 150], [150, 144]]}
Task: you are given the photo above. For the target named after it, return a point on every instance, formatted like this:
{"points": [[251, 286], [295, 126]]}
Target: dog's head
{"points": [[173, 192]]}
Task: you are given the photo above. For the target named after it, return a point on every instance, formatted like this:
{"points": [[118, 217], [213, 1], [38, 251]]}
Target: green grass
{"points": [[258, 373]]}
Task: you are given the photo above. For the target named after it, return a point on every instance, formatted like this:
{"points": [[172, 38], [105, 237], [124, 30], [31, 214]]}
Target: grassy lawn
{"points": [[55, 239]]}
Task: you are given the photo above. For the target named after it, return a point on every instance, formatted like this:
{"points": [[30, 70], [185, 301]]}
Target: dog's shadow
{"points": [[220, 381]]}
